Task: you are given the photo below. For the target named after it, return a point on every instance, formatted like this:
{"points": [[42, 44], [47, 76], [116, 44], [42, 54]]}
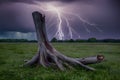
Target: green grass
{"points": [[12, 56]]}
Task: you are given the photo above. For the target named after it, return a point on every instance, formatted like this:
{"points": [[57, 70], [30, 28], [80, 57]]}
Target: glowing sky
{"points": [[65, 19]]}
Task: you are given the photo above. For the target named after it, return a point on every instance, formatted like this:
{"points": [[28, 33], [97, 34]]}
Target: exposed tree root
{"points": [[47, 55]]}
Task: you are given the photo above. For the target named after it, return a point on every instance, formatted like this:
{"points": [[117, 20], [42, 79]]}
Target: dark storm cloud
{"points": [[15, 18], [10, 17], [116, 2], [10, 20], [32, 1], [8, 1]]}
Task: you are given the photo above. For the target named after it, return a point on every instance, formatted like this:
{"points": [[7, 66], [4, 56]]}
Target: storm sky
{"points": [[16, 18]]}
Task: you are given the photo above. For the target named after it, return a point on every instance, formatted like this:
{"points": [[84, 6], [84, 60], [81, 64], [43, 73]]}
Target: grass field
{"points": [[12, 55]]}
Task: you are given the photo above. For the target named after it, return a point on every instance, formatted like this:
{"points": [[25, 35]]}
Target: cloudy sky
{"points": [[16, 18]]}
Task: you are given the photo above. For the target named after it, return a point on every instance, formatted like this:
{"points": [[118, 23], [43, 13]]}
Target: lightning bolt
{"points": [[59, 31], [69, 27], [60, 16]]}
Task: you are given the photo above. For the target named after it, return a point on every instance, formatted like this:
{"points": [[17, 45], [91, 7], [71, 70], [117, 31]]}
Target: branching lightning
{"points": [[61, 16]]}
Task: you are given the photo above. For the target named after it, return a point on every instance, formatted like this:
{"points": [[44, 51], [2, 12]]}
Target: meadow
{"points": [[12, 56]]}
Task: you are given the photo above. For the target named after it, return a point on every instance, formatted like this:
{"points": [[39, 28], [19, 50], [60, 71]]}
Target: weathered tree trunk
{"points": [[47, 55]]}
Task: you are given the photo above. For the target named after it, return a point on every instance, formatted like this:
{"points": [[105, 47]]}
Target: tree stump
{"points": [[47, 55]]}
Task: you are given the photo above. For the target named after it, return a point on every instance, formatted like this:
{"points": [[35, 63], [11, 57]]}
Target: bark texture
{"points": [[47, 55]]}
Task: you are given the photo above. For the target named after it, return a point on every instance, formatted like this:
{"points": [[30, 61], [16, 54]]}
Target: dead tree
{"points": [[47, 55]]}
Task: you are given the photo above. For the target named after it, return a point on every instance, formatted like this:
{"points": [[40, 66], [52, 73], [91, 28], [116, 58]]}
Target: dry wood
{"points": [[47, 55]]}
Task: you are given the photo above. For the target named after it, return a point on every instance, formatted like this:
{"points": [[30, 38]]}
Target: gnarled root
{"points": [[46, 57]]}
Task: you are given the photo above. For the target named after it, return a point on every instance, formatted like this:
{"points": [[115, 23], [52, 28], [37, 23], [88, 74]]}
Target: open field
{"points": [[12, 56]]}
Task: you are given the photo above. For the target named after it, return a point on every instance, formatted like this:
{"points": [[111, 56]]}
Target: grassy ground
{"points": [[12, 55]]}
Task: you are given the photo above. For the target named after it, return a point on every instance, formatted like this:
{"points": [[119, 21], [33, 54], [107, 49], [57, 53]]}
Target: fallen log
{"points": [[91, 59]]}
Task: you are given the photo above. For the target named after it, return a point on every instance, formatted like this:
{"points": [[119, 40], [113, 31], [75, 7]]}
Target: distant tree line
{"points": [[16, 40], [87, 40], [70, 40]]}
